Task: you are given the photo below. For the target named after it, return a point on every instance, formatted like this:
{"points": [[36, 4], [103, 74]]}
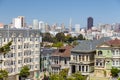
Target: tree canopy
{"points": [[58, 44], [56, 77], [60, 37], [3, 74], [64, 73], [6, 48], [114, 72], [25, 72], [80, 37]]}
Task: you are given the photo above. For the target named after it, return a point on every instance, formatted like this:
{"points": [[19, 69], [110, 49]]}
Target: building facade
{"points": [[107, 56], [46, 58], [25, 50], [60, 59], [82, 58]]}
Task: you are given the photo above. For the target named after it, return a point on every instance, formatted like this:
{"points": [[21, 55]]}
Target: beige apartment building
{"points": [[25, 50]]}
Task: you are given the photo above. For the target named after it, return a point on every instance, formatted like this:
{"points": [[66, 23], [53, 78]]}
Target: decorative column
{"points": [[84, 68], [78, 58], [84, 57], [70, 71], [88, 68], [77, 68], [88, 57]]}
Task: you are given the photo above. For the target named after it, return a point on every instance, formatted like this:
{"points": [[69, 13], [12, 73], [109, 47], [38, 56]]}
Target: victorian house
{"points": [[82, 56], [60, 59], [107, 56]]}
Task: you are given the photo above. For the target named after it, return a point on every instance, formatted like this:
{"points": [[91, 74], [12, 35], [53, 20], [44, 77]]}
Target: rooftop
{"points": [[63, 51]]}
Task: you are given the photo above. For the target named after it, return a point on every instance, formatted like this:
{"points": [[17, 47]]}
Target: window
{"points": [[99, 53], [65, 61], [82, 57], [79, 57], [19, 39], [117, 51], [37, 45], [86, 68], [99, 62], [19, 46], [73, 57], [113, 62], [79, 68], [4, 40], [19, 54], [82, 68], [117, 62]]}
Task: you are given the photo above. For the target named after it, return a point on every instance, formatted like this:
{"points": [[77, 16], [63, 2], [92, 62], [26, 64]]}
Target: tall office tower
{"points": [[62, 27], [42, 26], [47, 27], [77, 28], [22, 18], [89, 22], [19, 22], [70, 25], [25, 50], [35, 24]]}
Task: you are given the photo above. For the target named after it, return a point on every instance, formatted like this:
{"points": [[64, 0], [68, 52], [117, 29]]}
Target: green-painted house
{"points": [[107, 56]]}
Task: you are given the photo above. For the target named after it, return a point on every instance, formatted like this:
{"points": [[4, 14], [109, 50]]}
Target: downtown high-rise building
{"points": [[89, 22], [35, 24], [42, 26], [19, 22]]}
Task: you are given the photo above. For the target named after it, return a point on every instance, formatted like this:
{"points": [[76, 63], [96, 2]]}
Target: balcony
{"points": [[81, 62], [100, 56], [55, 65]]}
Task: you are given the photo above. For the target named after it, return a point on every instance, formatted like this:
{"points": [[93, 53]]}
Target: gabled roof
{"points": [[111, 43], [89, 45], [114, 43], [63, 52]]}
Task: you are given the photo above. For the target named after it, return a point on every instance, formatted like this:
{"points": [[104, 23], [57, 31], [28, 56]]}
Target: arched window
{"points": [[99, 53]]}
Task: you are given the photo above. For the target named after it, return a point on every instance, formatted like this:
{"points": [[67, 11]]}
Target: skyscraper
{"points": [[22, 18], [89, 22], [19, 22], [42, 26], [35, 24]]}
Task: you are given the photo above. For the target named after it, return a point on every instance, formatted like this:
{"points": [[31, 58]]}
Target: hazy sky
{"points": [[60, 11]]}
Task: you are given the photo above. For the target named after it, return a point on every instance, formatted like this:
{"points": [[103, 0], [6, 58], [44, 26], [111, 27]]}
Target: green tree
{"points": [[64, 73], [56, 77], [118, 78], [47, 37], [114, 72], [80, 37], [60, 37], [78, 76], [3, 74], [75, 43], [58, 44], [6, 48], [70, 78], [25, 72]]}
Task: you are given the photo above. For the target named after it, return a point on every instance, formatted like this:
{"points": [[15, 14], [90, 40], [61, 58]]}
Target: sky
{"points": [[60, 11]]}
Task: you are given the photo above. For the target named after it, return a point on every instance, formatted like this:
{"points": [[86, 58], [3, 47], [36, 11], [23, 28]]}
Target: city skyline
{"points": [[102, 11]]}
